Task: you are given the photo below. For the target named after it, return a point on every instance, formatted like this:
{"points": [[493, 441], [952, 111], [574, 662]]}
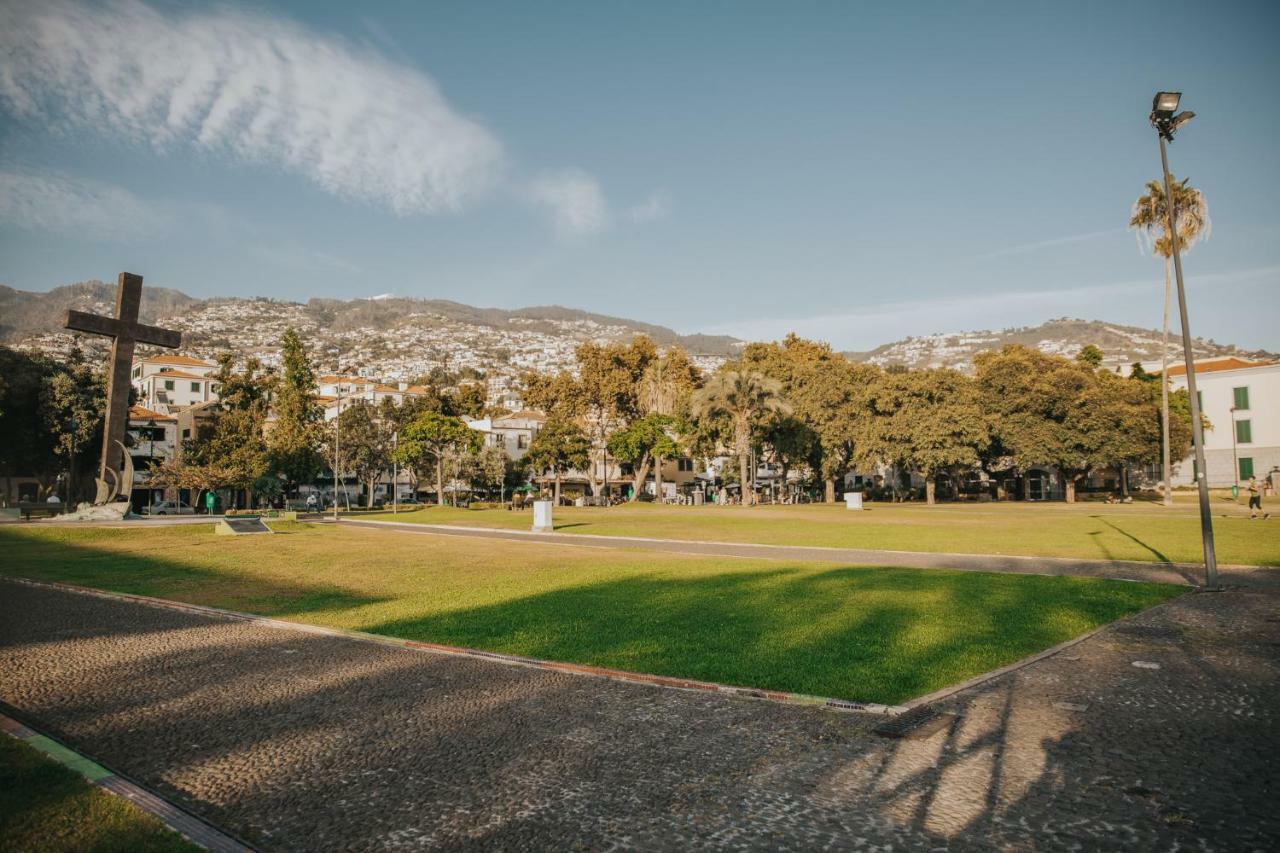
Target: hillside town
{"points": [[177, 397]]}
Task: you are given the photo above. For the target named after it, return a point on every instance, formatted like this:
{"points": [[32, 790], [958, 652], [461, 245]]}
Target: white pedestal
{"points": [[542, 516], [853, 500]]}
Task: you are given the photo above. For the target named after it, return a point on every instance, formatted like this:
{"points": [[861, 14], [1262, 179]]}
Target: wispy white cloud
{"points": [[573, 199], [1027, 248], [52, 201], [865, 329], [655, 206], [245, 84]]}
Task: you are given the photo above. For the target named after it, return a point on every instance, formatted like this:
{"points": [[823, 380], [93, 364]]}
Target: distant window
{"points": [[1244, 432], [1200, 400], [137, 371], [522, 441], [168, 385], [1242, 398], [684, 463], [195, 387], [186, 433], [1246, 467]]}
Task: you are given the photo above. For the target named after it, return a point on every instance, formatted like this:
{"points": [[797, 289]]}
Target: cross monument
{"points": [[125, 331]]}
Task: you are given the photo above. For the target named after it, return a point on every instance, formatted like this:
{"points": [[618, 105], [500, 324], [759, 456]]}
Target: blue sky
{"points": [[853, 172]]}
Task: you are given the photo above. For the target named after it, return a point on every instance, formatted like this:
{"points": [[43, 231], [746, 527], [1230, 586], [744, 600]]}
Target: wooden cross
{"points": [[125, 331]]}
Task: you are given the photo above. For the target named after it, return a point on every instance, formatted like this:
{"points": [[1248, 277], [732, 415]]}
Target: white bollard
{"points": [[542, 517], [853, 500]]}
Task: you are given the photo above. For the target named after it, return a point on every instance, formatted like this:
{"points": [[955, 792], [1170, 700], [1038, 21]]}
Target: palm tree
{"points": [[1150, 218], [664, 390], [743, 396]]}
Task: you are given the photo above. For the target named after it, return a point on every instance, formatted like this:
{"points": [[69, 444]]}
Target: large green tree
{"points": [[560, 446], [295, 437], [745, 398], [643, 443], [429, 439], [929, 421], [1044, 411], [48, 410], [230, 441], [829, 394], [364, 445]]}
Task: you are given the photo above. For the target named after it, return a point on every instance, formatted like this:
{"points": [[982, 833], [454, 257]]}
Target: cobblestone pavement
{"points": [[298, 741], [1129, 570]]}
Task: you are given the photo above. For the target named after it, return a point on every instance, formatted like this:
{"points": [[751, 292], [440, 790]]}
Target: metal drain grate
{"points": [[916, 724]]}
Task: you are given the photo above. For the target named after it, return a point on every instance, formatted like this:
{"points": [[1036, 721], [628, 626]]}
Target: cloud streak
{"points": [[865, 329], [51, 201], [1028, 248], [256, 88]]}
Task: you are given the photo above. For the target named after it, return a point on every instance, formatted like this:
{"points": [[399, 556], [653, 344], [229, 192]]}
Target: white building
{"points": [[1241, 400], [512, 433], [170, 383], [348, 389]]}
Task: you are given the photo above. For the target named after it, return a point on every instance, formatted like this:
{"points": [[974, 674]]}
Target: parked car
{"points": [[169, 508]]}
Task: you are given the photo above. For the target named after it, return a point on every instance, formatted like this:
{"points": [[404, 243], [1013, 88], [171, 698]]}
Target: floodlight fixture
{"points": [[1165, 102]]}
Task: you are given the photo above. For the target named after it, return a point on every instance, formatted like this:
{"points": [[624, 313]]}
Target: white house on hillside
{"points": [[170, 383]]}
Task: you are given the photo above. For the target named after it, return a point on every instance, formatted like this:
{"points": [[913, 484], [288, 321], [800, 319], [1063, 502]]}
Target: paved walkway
{"points": [[298, 741], [1132, 570]]}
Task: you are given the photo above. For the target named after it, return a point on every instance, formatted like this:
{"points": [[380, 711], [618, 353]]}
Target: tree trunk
{"points": [[744, 462], [439, 481], [657, 479], [557, 501], [829, 493], [1164, 395], [641, 474], [1070, 488], [930, 488], [373, 484]]}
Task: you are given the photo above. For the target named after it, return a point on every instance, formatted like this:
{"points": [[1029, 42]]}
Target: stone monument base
{"points": [[118, 511]]}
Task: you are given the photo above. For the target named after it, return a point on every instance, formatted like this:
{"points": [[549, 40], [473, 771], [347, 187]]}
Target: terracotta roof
{"points": [[1216, 365], [178, 359], [181, 374], [142, 413]]}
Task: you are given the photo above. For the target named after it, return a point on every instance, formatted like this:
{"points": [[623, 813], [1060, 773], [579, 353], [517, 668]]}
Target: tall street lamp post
{"points": [[337, 422], [1163, 107]]}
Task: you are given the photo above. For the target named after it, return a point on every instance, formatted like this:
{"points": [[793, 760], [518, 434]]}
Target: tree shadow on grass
{"points": [[881, 635], [161, 576]]}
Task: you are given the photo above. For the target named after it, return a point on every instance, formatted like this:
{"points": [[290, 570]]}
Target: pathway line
{"points": [[1127, 570]]}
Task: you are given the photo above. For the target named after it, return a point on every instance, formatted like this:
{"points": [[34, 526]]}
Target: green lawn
{"points": [[47, 807], [871, 634], [1087, 530]]}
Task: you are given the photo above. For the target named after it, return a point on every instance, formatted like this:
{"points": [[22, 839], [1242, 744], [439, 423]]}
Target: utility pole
{"points": [[337, 434]]}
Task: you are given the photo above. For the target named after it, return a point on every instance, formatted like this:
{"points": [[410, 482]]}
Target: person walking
{"points": [[1255, 499]]}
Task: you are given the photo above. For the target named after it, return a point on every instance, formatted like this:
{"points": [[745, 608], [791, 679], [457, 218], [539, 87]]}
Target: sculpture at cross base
{"points": [[126, 332]]}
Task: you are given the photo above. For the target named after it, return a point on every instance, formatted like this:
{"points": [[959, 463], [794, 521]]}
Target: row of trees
{"points": [[236, 446], [796, 404], [793, 404]]}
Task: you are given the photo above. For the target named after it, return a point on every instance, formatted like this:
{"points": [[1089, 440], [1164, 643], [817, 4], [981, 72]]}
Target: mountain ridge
{"points": [[395, 337]]}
